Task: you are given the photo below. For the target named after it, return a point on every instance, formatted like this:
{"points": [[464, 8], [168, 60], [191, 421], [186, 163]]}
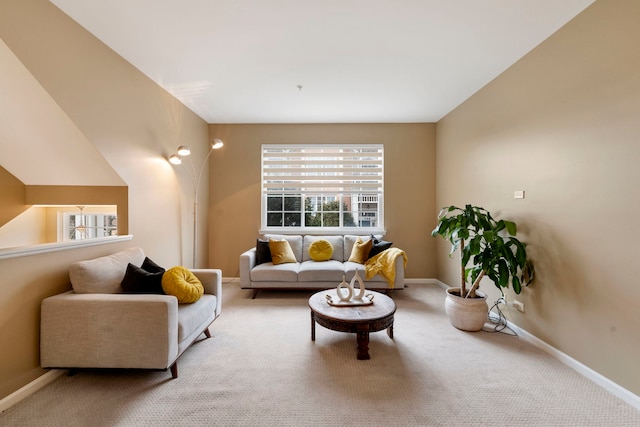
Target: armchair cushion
{"points": [[139, 281], [183, 284], [104, 274], [151, 267]]}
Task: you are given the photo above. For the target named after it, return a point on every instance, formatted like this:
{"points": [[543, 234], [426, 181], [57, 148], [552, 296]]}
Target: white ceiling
{"points": [[358, 61]]}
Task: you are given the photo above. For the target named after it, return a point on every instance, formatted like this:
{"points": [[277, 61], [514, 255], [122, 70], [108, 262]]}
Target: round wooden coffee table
{"points": [[360, 319]]}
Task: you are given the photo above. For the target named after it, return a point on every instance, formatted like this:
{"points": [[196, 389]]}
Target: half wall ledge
{"points": [[55, 247]]}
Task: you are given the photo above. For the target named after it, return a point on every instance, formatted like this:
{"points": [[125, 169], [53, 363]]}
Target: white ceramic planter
{"points": [[467, 314]]}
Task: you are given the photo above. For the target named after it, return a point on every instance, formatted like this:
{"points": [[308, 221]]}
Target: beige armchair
{"points": [[97, 326]]}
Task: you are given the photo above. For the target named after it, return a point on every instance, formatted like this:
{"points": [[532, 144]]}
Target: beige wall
{"points": [[409, 169], [12, 197], [563, 124], [134, 125]]}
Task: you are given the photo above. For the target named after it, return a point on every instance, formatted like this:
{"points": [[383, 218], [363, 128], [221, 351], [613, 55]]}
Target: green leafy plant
{"points": [[488, 248]]}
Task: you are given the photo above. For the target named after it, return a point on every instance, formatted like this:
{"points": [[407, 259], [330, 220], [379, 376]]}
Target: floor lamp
{"points": [[176, 159]]}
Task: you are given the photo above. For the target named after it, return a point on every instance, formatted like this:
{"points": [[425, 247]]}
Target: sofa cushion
{"points": [[263, 253], [349, 241], [268, 272], [295, 241], [337, 242], [139, 281], [379, 245], [328, 271], [151, 267], [183, 284], [360, 251], [320, 250], [191, 316], [281, 252], [103, 275]]}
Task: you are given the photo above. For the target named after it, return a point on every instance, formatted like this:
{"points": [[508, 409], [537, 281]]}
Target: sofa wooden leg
{"points": [[255, 293], [207, 333], [174, 370]]}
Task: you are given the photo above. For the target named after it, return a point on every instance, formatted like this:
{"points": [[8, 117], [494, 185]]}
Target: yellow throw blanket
{"points": [[385, 264]]}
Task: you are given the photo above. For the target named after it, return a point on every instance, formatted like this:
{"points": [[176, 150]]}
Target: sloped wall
{"points": [[134, 125]]}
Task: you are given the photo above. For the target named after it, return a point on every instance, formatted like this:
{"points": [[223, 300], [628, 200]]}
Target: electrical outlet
{"points": [[518, 305]]}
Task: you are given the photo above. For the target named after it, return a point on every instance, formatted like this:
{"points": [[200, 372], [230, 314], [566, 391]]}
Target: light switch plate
{"points": [[518, 194]]}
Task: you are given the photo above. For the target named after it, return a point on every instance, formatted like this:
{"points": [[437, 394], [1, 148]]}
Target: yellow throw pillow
{"points": [[321, 250], [360, 251], [281, 252], [183, 284]]}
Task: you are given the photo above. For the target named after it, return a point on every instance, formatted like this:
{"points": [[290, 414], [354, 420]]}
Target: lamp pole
{"points": [[196, 177]]}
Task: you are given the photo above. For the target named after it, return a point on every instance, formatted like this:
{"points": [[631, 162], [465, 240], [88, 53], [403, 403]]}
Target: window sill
{"points": [[317, 231], [54, 247]]}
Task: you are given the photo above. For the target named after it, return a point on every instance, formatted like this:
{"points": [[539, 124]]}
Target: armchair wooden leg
{"points": [[207, 333], [174, 370]]}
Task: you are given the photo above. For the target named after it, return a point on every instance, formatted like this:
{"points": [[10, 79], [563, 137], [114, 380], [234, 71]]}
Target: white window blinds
{"points": [[318, 169]]}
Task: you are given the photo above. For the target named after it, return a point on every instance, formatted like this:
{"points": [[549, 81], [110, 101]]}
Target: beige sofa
{"points": [[308, 274], [96, 325]]}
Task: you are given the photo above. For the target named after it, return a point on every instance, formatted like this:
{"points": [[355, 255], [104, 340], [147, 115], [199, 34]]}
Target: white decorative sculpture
{"points": [[349, 288], [360, 294], [352, 296]]}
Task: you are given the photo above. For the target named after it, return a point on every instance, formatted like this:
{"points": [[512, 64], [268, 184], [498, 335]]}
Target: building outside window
{"points": [[325, 187]]}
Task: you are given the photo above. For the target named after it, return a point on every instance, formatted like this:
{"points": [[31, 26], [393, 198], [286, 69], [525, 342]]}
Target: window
{"points": [[81, 226], [51, 228], [328, 187]]}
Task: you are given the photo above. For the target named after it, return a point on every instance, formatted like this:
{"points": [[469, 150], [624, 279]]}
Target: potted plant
{"points": [[487, 248]]}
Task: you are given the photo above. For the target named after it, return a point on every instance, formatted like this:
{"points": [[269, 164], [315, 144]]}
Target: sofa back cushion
{"points": [[103, 275], [336, 241], [295, 241], [281, 252], [349, 241], [360, 251]]}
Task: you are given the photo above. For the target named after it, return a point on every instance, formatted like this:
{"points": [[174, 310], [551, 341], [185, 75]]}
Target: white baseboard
{"points": [[30, 388], [226, 280], [424, 282]]}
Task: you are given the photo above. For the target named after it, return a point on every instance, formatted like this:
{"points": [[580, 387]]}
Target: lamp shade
{"points": [[216, 143], [183, 150], [174, 159]]}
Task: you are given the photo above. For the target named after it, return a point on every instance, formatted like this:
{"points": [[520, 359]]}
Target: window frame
{"points": [[356, 184], [96, 220]]}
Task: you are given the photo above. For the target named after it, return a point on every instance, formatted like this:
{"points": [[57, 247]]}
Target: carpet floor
{"points": [[260, 368]]}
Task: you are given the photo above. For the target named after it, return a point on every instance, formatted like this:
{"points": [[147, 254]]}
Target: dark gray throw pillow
{"points": [[378, 246], [139, 281], [263, 253], [149, 266]]}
